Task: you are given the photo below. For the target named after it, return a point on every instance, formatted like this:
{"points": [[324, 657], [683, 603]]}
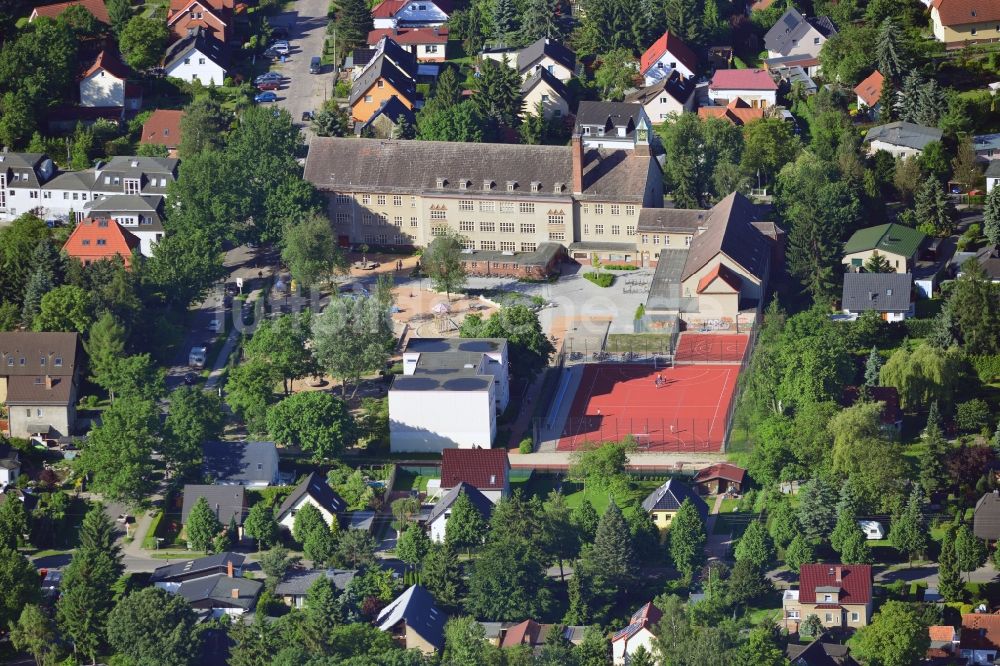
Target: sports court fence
{"points": [[741, 382], [550, 386], [649, 434]]}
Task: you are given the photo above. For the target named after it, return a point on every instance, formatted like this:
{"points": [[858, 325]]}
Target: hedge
{"points": [[987, 367], [600, 279], [619, 267], [919, 328], [149, 541]]}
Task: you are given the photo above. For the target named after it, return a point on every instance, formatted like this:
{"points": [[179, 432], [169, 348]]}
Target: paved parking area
{"points": [[302, 91]]}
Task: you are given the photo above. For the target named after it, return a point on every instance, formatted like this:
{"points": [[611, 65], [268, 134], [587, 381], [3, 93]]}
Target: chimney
{"points": [[48, 382], [840, 573], [577, 148], [235, 593], [229, 568]]}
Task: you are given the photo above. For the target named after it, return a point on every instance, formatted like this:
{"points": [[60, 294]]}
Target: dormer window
{"points": [[57, 362], [621, 131], [558, 187], [586, 131], [463, 184], [535, 186], [511, 184], [441, 182], [487, 185], [102, 223]]}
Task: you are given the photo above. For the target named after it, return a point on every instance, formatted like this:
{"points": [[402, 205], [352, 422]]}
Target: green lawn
{"points": [[411, 481], [640, 342], [728, 505], [540, 485], [733, 523]]}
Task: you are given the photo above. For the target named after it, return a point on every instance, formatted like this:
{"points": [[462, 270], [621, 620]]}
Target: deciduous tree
{"points": [[35, 633], [897, 636], [118, 455], [317, 422], [19, 579], [352, 337], [443, 262], [151, 626], [311, 251], [687, 539], [143, 41]]}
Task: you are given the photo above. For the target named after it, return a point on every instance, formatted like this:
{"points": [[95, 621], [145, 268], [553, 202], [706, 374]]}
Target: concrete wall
{"points": [[59, 418], [892, 149]]}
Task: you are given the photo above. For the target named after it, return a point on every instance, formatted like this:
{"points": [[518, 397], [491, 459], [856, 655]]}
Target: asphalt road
{"points": [[302, 91]]}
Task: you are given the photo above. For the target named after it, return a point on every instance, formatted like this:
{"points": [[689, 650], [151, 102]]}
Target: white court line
{"points": [[717, 405]]}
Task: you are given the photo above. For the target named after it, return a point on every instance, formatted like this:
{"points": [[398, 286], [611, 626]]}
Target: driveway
{"points": [[302, 91]]}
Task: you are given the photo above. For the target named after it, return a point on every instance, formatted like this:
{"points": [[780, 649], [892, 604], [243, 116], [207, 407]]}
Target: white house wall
{"points": [[669, 63], [288, 520], [101, 89], [767, 97], [196, 65], [432, 421]]}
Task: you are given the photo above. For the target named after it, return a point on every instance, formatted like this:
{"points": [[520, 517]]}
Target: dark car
{"points": [[268, 76], [269, 85], [279, 33], [307, 116], [190, 379], [264, 97]]}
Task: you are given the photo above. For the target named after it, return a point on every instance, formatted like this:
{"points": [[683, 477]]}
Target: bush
{"points": [[919, 328], [987, 367], [525, 446], [973, 416], [640, 311], [620, 267], [600, 279]]}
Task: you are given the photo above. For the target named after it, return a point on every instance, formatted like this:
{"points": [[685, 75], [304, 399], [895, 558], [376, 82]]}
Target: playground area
{"points": [[710, 347], [429, 314], [664, 409]]}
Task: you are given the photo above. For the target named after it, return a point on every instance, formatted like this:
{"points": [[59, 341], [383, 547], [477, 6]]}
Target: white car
{"points": [[196, 359], [215, 326], [279, 48]]}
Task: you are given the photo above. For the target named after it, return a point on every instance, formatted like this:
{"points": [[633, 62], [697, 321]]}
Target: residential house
{"points": [[388, 121], [738, 112], [437, 519], [411, 13], [639, 632], [957, 23], [888, 294], [544, 91], [670, 96], [10, 465], [228, 503], [39, 383], [542, 54], [21, 179], [170, 576], [667, 55], [987, 147], [427, 44], [53, 11], [992, 176], [839, 594], [414, 621], [901, 139], [141, 216], [312, 490], [869, 92], [980, 640], [721, 478], [449, 394], [587, 200], [988, 259], [898, 244], [718, 275], [214, 17], [197, 57], [534, 634], [402, 58], [486, 470], [381, 80], [105, 84], [23, 495], [612, 125], [754, 86], [98, 240], [820, 652], [295, 585], [986, 517], [945, 642], [251, 464], [163, 128], [664, 502], [221, 594], [797, 40], [791, 75]]}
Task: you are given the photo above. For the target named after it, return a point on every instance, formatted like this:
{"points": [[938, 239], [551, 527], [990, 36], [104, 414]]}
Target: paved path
{"points": [[302, 91], [717, 546]]}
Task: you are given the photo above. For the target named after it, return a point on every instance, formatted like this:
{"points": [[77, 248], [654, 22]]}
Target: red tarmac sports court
{"points": [[686, 412], [710, 347]]}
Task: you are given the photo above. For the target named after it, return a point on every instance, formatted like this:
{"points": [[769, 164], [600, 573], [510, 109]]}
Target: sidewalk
{"points": [[717, 546], [227, 349]]}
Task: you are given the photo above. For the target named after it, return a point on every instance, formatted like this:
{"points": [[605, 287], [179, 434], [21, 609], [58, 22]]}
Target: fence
{"points": [[744, 364], [550, 386], [649, 434]]}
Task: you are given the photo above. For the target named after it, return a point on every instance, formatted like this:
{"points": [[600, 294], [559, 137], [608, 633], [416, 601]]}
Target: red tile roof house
{"points": [[737, 112], [94, 240], [639, 632], [163, 128], [427, 44], [105, 84], [754, 86], [487, 470], [839, 594], [869, 91], [721, 478], [95, 7], [944, 642], [411, 13], [980, 642], [665, 55], [214, 16]]}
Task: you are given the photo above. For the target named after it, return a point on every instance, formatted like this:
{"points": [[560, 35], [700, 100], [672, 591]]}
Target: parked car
{"points": [[269, 85], [315, 65], [307, 116], [281, 48], [215, 326], [268, 76], [268, 96], [196, 359]]}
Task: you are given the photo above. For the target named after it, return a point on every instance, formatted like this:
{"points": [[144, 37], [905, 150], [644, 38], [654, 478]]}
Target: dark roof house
{"points": [[541, 48], [675, 86], [792, 27], [240, 463], [383, 69], [986, 518], [414, 609], [298, 581], [877, 292], [904, 134], [221, 592], [200, 39], [218, 563], [227, 502], [611, 119], [479, 500], [316, 487], [820, 653], [671, 495], [729, 229]]}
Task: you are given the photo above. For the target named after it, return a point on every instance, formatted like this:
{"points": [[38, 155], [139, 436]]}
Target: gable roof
{"points": [[190, 568], [609, 114], [100, 239], [989, 258], [980, 631], [383, 68], [542, 75], [725, 471], [298, 581], [792, 27], [820, 653], [961, 12], [879, 292], [719, 272], [218, 590], [541, 48], [870, 90], [742, 79], [647, 616], [392, 109], [316, 487], [240, 462], [33, 347], [729, 230], [110, 63], [737, 112], [942, 633], [484, 469], [402, 58], [95, 7], [416, 607], [673, 45], [678, 87], [895, 238], [410, 35], [986, 518], [227, 502], [389, 8], [163, 127], [855, 584], [671, 495], [901, 133], [180, 9], [522, 633], [202, 40], [479, 500]]}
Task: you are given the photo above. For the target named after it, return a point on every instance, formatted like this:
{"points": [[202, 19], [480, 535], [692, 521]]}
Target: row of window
{"points": [[644, 239], [615, 209], [504, 246], [488, 206], [56, 362], [616, 230]]}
